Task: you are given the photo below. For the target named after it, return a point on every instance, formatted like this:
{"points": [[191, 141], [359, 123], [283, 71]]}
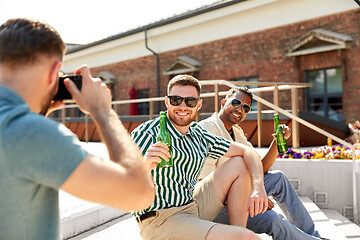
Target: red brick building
{"points": [[265, 41]]}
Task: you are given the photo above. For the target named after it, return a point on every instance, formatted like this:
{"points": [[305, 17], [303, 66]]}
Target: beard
{"points": [[47, 101], [182, 121]]}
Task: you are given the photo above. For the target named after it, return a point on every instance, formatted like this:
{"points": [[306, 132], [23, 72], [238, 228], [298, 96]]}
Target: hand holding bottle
{"points": [[286, 131], [164, 137], [155, 154]]}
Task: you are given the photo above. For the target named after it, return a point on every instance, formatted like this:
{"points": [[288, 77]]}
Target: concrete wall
{"points": [[333, 177]]}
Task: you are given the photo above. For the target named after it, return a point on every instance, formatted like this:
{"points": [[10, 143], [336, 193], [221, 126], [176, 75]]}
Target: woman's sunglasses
{"points": [[237, 103], [189, 101]]}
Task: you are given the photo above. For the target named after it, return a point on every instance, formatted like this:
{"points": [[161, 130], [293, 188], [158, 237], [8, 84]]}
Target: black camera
{"points": [[62, 92]]}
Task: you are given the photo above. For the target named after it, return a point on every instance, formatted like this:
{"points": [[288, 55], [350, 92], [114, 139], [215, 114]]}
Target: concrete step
{"points": [[125, 227], [323, 224], [122, 228], [346, 227], [78, 216]]}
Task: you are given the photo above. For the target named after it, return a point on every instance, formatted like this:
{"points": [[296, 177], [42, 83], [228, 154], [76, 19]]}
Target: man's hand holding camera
{"points": [[94, 97]]}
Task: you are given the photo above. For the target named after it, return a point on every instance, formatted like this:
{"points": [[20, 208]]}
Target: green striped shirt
{"points": [[174, 186]]}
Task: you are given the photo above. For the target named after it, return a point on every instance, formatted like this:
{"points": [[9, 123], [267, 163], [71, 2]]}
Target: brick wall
{"points": [[260, 54]]}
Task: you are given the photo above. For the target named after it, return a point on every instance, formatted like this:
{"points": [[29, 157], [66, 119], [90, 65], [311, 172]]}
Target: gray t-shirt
{"points": [[37, 155]]}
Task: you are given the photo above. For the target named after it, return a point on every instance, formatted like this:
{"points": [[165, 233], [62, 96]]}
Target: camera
{"points": [[62, 92]]}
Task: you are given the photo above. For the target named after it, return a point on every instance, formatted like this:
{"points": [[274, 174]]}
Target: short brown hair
{"points": [[23, 40], [184, 80], [238, 90]]}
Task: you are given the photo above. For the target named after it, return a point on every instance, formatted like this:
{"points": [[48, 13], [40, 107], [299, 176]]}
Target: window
{"points": [[250, 80], [325, 97]]}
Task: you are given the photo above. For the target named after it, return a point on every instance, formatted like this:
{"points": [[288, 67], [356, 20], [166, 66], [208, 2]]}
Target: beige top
{"points": [[214, 125]]}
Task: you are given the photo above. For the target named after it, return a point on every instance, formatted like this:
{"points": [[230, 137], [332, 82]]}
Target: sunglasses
{"points": [[237, 103], [189, 101]]}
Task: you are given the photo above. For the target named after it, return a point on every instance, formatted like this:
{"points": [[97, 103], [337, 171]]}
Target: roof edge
{"points": [[189, 14]]}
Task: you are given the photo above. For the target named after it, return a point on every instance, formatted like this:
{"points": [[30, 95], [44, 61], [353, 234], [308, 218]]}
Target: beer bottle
{"points": [[279, 136], [164, 137]]}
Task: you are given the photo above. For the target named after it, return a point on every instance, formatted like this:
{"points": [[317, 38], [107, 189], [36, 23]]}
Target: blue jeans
{"points": [[299, 225]]}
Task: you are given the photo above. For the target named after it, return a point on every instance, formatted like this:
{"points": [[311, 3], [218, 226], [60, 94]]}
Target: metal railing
{"points": [[274, 87]]}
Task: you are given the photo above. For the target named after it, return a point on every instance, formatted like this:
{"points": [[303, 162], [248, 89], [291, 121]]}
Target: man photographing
{"points": [[39, 156]]}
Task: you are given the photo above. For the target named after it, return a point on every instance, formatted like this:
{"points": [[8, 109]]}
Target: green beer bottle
{"points": [[279, 136], [164, 137]]}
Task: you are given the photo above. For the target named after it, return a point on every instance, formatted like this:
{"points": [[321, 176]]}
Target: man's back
{"points": [[39, 156], [32, 169]]}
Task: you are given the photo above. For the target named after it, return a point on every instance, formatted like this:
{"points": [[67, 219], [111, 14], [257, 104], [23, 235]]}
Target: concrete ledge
{"points": [[346, 227], [323, 225], [78, 216], [123, 228], [334, 178], [126, 227], [89, 219]]}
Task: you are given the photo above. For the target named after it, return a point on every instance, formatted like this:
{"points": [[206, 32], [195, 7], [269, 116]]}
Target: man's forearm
{"points": [[255, 167], [270, 157]]}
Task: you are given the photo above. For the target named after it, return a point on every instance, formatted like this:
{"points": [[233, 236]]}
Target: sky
{"points": [[85, 21]]}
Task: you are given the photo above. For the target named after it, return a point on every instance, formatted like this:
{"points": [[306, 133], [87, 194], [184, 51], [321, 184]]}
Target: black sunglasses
{"points": [[237, 103], [189, 101]]}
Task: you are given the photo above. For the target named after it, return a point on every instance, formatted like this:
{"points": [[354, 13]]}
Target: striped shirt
{"points": [[174, 186]]}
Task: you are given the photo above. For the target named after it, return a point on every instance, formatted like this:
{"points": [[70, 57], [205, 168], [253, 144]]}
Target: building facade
{"points": [[285, 41]]}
